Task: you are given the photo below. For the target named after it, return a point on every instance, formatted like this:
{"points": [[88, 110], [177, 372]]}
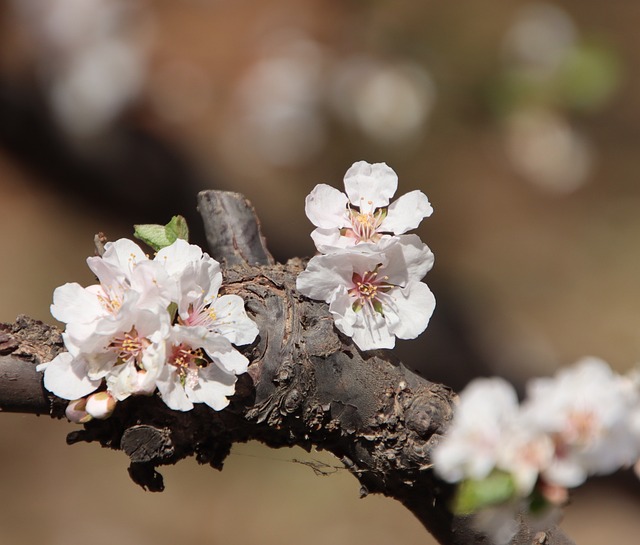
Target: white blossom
{"points": [[363, 214], [377, 296], [585, 409], [149, 324], [190, 378], [484, 415]]}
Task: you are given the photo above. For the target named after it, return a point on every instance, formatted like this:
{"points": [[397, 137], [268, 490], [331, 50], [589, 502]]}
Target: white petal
{"points": [[406, 213], [99, 364], [67, 378], [565, 472], [178, 255], [408, 258], [414, 306], [124, 254], [370, 186], [214, 388], [73, 303], [110, 275], [227, 357], [343, 314], [232, 321], [323, 275], [171, 391], [326, 207], [367, 328], [330, 240], [372, 332], [154, 285]]}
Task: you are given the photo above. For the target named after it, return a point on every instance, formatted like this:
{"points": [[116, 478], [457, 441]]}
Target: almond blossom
{"points": [[586, 410], [509, 458], [375, 296], [149, 324], [483, 418], [363, 214]]}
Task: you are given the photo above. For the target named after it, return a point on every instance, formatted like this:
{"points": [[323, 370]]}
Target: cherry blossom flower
{"points": [[199, 279], [585, 409], [483, 417], [191, 377], [129, 342], [375, 296], [149, 324], [363, 214], [510, 459]]}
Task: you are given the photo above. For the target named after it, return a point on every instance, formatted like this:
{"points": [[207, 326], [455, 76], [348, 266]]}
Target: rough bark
{"points": [[306, 385]]}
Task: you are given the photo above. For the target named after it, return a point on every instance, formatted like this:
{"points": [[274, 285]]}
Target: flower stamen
{"points": [[130, 347]]}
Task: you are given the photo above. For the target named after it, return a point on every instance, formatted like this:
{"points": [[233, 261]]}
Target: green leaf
{"points": [[161, 236], [177, 228], [473, 495]]}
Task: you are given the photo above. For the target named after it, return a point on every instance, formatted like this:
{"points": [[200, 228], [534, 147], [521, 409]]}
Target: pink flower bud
{"points": [[76, 411]]}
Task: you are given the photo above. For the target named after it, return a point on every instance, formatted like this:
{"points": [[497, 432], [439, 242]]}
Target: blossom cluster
{"points": [[508, 457], [149, 324], [369, 269]]}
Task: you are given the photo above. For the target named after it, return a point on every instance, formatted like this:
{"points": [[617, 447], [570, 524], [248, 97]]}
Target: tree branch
{"points": [[306, 385]]}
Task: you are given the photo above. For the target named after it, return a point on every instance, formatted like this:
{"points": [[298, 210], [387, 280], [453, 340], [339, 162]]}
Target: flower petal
{"points": [[73, 303], [370, 186], [232, 321], [367, 328], [414, 306], [408, 258], [67, 378], [178, 255], [323, 275], [214, 388], [326, 207], [171, 390], [124, 254], [406, 213], [330, 240], [227, 357]]}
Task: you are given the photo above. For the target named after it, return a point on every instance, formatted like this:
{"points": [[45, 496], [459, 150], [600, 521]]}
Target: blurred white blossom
{"points": [[91, 63]]}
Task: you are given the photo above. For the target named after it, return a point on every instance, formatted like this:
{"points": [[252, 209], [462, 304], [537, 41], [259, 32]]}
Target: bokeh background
{"points": [[519, 120]]}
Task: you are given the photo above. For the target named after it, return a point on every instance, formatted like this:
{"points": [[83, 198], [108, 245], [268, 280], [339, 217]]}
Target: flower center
{"points": [[110, 303], [187, 361], [364, 225], [203, 315], [369, 290], [582, 426], [130, 346]]}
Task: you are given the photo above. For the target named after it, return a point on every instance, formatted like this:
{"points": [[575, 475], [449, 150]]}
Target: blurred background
{"points": [[519, 120]]}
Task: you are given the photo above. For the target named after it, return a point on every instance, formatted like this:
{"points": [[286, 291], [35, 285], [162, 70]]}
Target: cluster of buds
{"points": [[509, 458], [369, 270], [148, 325]]}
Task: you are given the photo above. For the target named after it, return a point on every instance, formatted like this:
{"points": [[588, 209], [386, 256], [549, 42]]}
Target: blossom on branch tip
{"points": [[363, 214], [584, 421], [374, 296], [586, 410]]}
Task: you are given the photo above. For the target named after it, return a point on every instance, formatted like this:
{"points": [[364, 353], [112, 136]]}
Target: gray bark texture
{"points": [[307, 385]]}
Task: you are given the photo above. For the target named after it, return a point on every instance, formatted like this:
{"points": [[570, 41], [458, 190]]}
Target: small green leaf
{"points": [[161, 236], [177, 228], [472, 495]]}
